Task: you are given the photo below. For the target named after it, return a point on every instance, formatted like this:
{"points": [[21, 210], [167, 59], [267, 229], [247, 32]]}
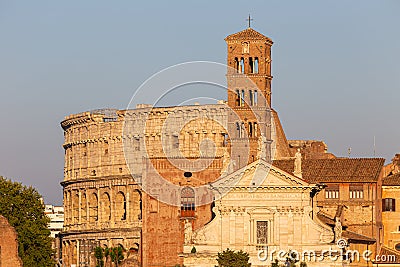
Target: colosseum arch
{"points": [[83, 208], [136, 205], [75, 207], [120, 207], [66, 207], [106, 207], [93, 208]]}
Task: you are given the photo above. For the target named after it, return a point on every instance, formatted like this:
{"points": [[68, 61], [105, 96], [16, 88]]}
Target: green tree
{"points": [[116, 255], [230, 258], [99, 255], [23, 208]]}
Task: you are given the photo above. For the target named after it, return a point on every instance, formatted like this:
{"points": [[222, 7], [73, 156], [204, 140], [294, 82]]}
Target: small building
{"points": [[56, 215], [391, 213]]}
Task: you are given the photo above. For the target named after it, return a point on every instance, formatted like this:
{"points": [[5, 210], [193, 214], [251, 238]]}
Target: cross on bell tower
{"points": [[249, 20]]}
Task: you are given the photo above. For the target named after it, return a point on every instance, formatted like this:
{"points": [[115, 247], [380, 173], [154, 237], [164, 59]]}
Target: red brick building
{"points": [[8, 245]]}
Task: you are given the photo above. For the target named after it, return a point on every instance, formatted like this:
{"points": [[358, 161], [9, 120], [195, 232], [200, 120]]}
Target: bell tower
{"points": [[249, 96]]}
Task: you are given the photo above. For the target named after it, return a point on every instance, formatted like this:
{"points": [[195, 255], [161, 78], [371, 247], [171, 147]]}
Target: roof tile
{"points": [[392, 180], [336, 170], [247, 34]]}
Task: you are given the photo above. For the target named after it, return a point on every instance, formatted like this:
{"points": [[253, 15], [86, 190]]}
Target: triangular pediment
{"points": [[247, 34], [259, 174]]}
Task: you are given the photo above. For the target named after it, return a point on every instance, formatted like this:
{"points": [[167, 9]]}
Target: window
{"points": [[332, 192], [83, 208], [250, 129], [237, 98], [120, 212], [251, 65], [262, 232], [225, 140], [255, 98], [255, 65], [187, 202], [397, 247], [242, 98], [236, 64], [241, 65], [93, 210], [255, 131], [106, 207], [245, 48], [388, 204], [356, 192], [251, 97]]}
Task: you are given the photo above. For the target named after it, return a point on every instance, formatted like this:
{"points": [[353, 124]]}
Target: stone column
{"points": [[128, 211], [79, 206], [98, 205], [87, 207], [113, 208]]}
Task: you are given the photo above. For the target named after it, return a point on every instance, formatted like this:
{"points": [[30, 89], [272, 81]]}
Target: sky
{"points": [[336, 67]]}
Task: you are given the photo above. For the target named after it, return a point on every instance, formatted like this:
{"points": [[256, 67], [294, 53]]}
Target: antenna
{"points": [[374, 146], [349, 151]]}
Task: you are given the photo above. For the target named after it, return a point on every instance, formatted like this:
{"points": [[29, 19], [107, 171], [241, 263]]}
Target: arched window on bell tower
{"points": [[241, 65], [251, 97], [251, 65], [242, 98], [236, 66], [250, 129], [256, 65], [237, 98]]}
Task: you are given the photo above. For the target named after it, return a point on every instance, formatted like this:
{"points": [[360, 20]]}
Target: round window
{"points": [[397, 247]]}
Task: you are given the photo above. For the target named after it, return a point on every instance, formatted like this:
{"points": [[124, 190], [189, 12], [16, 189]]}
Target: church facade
{"points": [[262, 220]]}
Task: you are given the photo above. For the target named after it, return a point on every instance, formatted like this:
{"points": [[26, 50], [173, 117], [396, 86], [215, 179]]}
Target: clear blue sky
{"points": [[336, 67]]}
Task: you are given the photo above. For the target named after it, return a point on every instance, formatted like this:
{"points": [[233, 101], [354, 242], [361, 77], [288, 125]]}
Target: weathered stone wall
{"points": [[8, 245]]}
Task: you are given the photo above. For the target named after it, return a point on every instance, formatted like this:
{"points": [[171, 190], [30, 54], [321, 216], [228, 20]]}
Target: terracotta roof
{"points": [[388, 256], [357, 238], [393, 179], [336, 170], [247, 34]]}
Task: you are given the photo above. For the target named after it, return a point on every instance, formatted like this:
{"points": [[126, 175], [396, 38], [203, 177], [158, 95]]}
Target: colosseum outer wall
{"points": [[103, 197]]}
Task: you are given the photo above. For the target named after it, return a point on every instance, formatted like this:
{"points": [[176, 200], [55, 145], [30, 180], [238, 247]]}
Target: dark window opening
{"points": [[388, 204], [236, 64], [251, 65], [241, 65]]}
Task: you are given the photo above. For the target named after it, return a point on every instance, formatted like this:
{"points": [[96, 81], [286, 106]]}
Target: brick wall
{"points": [[8, 245]]}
